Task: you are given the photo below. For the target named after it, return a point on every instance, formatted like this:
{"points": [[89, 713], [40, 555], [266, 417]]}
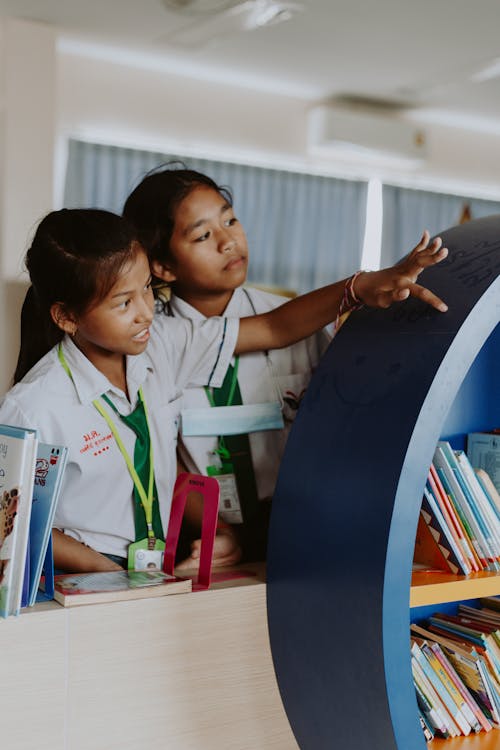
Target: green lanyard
{"points": [[146, 499], [222, 449], [234, 380]]}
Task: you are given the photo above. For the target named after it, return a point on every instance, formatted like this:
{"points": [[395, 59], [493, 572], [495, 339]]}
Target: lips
{"points": [[235, 263], [142, 336]]}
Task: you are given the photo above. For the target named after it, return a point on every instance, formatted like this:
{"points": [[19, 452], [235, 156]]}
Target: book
{"points": [[49, 471], [75, 589], [479, 503], [465, 662], [17, 471], [457, 528], [430, 716], [486, 507], [426, 658], [483, 450], [444, 460], [470, 709], [491, 602], [441, 717], [426, 725], [434, 517], [489, 488]]}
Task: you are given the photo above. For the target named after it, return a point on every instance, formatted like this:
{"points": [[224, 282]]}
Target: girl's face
{"points": [[208, 248], [119, 323]]}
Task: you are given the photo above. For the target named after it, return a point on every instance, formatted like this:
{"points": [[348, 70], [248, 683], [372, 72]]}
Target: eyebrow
{"points": [[129, 292], [196, 224]]}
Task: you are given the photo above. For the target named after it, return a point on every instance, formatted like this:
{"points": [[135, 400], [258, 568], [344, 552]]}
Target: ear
{"points": [[163, 271], [63, 319]]}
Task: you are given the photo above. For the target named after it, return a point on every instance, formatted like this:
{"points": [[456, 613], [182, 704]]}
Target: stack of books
{"points": [[459, 524], [30, 481], [456, 670]]}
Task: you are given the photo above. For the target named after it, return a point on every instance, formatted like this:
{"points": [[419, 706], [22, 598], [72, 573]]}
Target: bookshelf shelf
{"points": [[436, 588], [347, 502], [481, 741]]}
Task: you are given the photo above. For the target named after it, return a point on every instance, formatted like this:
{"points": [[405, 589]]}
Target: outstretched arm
{"points": [[304, 315]]}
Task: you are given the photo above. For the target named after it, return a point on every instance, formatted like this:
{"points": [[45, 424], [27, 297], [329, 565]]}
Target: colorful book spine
{"points": [[444, 722], [475, 716], [432, 509], [438, 694], [485, 507], [457, 527], [460, 502]]}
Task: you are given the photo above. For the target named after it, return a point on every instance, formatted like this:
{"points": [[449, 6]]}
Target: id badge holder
{"points": [[229, 502], [142, 557]]}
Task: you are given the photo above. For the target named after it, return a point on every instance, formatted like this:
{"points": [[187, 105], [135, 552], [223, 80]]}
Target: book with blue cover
{"points": [[49, 471], [17, 470]]}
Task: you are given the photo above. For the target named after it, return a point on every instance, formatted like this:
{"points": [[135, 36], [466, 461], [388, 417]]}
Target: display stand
{"points": [[349, 492]]}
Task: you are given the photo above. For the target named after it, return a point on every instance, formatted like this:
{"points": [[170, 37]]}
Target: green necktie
{"points": [[253, 532], [137, 422]]}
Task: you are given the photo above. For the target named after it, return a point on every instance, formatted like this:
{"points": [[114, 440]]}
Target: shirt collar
{"points": [[183, 309], [90, 383]]}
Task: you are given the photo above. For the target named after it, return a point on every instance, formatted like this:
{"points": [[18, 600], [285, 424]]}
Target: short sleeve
{"points": [[197, 353]]}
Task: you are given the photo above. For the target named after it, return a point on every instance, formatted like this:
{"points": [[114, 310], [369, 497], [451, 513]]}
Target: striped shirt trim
{"points": [[221, 346]]}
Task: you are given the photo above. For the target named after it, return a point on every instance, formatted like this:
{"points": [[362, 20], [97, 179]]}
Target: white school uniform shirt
{"points": [[96, 504], [283, 374]]}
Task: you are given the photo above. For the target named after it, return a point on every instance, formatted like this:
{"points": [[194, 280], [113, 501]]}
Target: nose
{"points": [[227, 243], [145, 309]]}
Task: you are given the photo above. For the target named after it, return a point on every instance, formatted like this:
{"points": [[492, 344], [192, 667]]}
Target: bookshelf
{"points": [[348, 496]]}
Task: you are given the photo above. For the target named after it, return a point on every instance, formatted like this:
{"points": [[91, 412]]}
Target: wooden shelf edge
{"points": [[481, 741], [436, 588]]}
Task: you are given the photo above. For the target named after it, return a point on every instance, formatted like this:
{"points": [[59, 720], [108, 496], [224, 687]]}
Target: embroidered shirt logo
{"points": [[95, 443]]}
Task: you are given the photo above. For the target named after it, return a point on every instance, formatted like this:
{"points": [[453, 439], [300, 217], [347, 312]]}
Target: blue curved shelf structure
{"points": [[349, 491]]}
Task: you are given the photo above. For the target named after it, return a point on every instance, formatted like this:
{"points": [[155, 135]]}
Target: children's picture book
{"points": [[464, 662], [445, 461], [434, 517], [17, 471], [73, 590], [483, 450], [489, 488], [49, 471]]}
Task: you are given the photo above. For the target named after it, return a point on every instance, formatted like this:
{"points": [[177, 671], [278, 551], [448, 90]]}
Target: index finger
{"points": [[421, 292]]}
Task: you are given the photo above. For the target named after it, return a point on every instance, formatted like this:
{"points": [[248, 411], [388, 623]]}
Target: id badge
{"points": [[229, 500], [140, 557]]}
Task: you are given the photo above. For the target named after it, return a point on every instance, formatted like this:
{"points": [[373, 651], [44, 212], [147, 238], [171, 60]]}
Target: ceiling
{"points": [[441, 58]]}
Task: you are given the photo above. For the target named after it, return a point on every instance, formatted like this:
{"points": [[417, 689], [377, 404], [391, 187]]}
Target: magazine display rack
{"points": [[349, 493]]}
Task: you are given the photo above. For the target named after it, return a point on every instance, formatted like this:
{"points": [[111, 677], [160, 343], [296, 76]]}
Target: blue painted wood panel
{"points": [[349, 490]]}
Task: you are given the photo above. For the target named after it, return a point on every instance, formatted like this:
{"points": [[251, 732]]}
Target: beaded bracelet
{"points": [[350, 301]]}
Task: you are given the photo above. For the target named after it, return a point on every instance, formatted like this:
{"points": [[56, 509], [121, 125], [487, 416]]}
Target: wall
{"points": [[27, 112], [164, 110], [50, 92]]}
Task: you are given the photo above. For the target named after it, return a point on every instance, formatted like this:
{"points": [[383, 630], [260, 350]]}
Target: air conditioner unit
{"points": [[365, 134]]}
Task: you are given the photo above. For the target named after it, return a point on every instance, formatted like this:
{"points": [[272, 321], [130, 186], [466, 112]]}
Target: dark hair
{"points": [[74, 259], [151, 206]]}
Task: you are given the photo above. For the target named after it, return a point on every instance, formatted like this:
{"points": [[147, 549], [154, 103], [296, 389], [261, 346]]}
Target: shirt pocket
{"points": [[292, 389]]}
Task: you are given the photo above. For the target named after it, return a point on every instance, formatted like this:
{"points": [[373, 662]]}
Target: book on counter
{"points": [[73, 589], [17, 470], [49, 471]]}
